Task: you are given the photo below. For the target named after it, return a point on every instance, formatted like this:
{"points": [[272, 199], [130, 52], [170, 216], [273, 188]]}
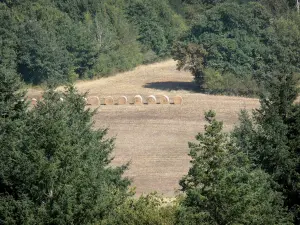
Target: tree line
{"points": [[234, 47], [230, 46], [53, 42]]}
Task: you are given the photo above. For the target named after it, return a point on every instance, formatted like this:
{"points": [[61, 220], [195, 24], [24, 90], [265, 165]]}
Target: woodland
{"points": [[55, 168]]}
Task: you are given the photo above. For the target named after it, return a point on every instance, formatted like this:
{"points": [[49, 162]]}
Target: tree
{"points": [[12, 98], [149, 209], [270, 137], [157, 24], [57, 41], [12, 112], [58, 171], [240, 41], [8, 38], [221, 188], [41, 57]]}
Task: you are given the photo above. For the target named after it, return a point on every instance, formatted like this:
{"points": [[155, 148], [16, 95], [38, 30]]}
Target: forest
{"points": [[54, 42], [55, 168], [230, 46]]}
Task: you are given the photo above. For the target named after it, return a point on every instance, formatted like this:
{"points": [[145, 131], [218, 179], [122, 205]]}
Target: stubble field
{"points": [[154, 138]]}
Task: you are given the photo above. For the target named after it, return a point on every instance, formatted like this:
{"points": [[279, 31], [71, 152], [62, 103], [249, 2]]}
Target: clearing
{"points": [[154, 138]]}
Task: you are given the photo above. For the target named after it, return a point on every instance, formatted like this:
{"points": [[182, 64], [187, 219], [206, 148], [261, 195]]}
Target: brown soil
{"points": [[154, 138]]}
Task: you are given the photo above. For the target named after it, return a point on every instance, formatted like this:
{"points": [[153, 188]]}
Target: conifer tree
{"points": [[221, 188], [59, 171], [271, 137]]}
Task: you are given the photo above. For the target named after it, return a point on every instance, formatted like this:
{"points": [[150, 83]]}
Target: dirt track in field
{"points": [[154, 138]]}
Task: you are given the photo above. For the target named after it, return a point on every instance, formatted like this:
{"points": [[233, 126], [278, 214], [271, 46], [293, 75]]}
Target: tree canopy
{"points": [[221, 187], [231, 42], [54, 42], [54, 168], [270, 137]]}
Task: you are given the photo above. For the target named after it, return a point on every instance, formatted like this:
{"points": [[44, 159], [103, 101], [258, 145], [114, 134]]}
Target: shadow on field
{"points": [[173, 86]]}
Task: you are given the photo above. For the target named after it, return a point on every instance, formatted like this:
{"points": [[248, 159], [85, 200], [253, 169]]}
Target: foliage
{"points": [[54, 42], [221, 188], [149, 209], [270, 137], [55, 169], [228, 83], [239, 39], [279, 7], [157, 23], [191, 57], [12, 102], [41, 59], [8, 38]]}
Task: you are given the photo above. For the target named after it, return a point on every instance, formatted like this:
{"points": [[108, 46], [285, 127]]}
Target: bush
{"points": [[228, 83], [149, 209]]}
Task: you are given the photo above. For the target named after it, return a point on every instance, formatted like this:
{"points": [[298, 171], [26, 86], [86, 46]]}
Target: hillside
{"points": [[154, 138]]}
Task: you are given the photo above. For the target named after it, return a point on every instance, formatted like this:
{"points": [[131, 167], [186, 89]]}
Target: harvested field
{"points": [[154, 137]]}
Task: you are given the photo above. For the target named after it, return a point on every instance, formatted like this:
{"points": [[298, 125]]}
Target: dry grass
{"points": [[154, 138]]}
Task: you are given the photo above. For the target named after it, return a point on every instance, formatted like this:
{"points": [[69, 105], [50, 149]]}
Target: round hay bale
{"points": [[61, 99], [177, 100], [33, 101], [164, 99], [93, 101], [122, 100], [138, 100], [108, 100], [151, 99]]}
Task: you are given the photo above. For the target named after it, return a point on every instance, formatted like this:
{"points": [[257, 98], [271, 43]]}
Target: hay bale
{"points": [[122, 100], [177, 100], [151, 99], [164, 99], [93, 101], [61, 99], [108, 100], [33, 101], [138, 100]]}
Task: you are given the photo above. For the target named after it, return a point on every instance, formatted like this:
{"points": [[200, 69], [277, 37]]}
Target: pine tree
{"points": [[59, 171], [221, 187], [12, 113], [271, 137]]}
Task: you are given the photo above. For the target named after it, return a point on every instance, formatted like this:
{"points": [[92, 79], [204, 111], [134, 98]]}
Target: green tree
{"points": [[60, 40], [270, 137], [12, 98], [12, 112], [57, 168], [41, 57], [221, 188], [150, 209], [100, 38], [8, 38], [119, 49], [244, 40], [157, 23]]}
